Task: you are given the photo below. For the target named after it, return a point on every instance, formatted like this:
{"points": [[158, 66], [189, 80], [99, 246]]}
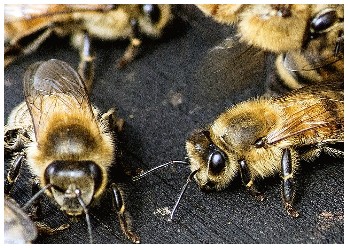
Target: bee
{"points": [[264, 137], [308, 39], [68, 143], [27, 26], [18, 227]]}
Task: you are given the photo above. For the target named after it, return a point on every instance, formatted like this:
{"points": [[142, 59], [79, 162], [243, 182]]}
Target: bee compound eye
{"points": [[58, 171], [259, 143], [216, 162], [96, 173], [323, 21], [152, 11]]}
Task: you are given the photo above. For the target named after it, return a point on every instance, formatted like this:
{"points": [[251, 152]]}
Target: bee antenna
{"points": [[189, 178], [136, 178], [36, 196], [87, 217]]}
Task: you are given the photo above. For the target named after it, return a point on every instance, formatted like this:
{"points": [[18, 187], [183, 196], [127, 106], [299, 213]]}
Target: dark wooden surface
{"points": [[179, 84]]}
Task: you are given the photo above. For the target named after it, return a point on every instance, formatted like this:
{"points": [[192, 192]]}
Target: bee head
{"points": [[73, 184], [210, 161]]}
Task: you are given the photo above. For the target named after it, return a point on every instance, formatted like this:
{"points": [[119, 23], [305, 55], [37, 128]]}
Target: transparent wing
{"points": [[312, 60], [324, 110], [228, 69], [53, 86]]}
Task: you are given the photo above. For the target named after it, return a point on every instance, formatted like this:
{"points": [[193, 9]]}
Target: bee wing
{"points": [[310, 118], [313, 60], [15, 12], [226, 69], [53, 85]]}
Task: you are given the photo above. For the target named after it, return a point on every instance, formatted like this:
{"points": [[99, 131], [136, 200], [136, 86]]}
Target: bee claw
{"points": [[292, 211], [134, 237], [260, 197]]}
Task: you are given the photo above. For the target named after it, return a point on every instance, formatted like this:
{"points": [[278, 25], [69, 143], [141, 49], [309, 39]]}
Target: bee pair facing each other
{"points": [[69, 144]]}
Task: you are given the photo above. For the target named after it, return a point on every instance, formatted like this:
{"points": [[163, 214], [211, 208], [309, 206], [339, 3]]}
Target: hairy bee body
{"points": [[262, 24], [308, 38], [27, 26], [68, 143], [63, 128], [265, 137]]}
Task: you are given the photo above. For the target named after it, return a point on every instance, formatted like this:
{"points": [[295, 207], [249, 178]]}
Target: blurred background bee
{"points": [[27, 26], [18, 227], [69, 144], [308, 39], [21, 226]]}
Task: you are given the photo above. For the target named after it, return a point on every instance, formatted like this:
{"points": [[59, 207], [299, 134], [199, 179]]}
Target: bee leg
{"points": [[13, 173], [86, 65], [21, 47], [312, 154], [114, 123], [134, 47], [36, 209], [288, 185], [333, 152], [123, 216], [43, 228], [14, 139], [248, 181], [36, 213]]}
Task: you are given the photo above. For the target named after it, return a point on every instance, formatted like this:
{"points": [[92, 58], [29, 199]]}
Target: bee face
{"points": [[211, 162], [235, 136], [73, 179], [71, 146]]}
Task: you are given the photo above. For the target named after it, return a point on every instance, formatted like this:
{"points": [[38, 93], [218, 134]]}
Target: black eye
{"points": [[152, 11], [216, 162], [73, 170], [323, 21], [259, 143]]}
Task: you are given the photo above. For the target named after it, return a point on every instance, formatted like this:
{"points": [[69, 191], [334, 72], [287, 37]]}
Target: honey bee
{"points": [[68, 143], [264, 137], [308, 38], [27, 26]]}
